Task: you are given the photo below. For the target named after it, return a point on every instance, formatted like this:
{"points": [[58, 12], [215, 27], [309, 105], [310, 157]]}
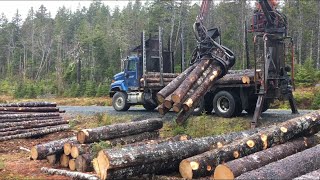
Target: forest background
{"points": [[39, 55]]}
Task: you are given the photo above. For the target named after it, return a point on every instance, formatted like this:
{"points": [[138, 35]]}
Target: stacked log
{"points": [[204, 164], [157, 156], [186, 91], [288, 168], [310, 176], [30, 119]]}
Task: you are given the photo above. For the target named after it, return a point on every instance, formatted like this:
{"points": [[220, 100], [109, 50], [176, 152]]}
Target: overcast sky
{"points": [[9, 8]]}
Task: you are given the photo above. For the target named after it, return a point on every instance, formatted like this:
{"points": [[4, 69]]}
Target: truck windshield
{"points": [[131, 66]]}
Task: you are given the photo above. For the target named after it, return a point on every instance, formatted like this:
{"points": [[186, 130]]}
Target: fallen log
{"points": [[31, 125], [169, 151], [168, 102], [72, 164], [162, 109], [30, 104], [174, 84], [290, 167], [186, 85], [36, 133], [10, 126], [64, 160], [112, 131], [236, 79], [41, 151], [204, 164], [310, 176], [22, 117], [68, 146], [75, 175], [41, 128], [30, 109], [152, 168], [83, 163], [53, 158], [78, 149], [235, 168], [134, 138]]}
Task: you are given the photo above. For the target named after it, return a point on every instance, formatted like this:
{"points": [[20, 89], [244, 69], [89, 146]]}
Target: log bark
{"points": [[314, 175], [10, 126], [31, 125], [37, 133], [75, 175], [151, 168], [208, 82], [156, 84], [290, 167], [134, 138], [84, 162], [22, 117], [112, 131], [204, 164], [170, 151], [236, 79], [186, 85], [64, 160], [235, 168], [72, 164], [53, 159], [162, 109], [41, 151], [30, 104], [41, 128], [30, 109], [174, 84]]}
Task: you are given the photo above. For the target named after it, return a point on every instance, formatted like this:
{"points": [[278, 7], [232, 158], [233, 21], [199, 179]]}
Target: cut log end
{"points": [[67, 148], [81, 136], [64, 160], [250, 143], [34, 153], [264, 139], [160, 98], [72, 164], [103, 164], [74, 152], [168, 104], [175, 98], [236, 154], [223, 172], [185, 169], [96, 168], [283, 129]]}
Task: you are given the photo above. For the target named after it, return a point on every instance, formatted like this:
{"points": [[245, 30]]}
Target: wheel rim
{"points": [[223, 104], [119, 102]]}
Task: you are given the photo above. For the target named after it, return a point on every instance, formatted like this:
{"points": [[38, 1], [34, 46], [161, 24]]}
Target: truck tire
{"points": [[226, 104], [199, 109], [119, 101], [149, 106]]}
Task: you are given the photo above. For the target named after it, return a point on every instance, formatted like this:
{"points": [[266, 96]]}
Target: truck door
{"points": [[131, 74]]}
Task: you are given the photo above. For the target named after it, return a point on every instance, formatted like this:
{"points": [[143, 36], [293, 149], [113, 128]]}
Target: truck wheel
{"points": [[149, 106], [119, 101], [224, 104]]}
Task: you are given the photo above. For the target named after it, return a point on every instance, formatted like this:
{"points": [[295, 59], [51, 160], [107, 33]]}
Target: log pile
{"points": [[30, 119]]}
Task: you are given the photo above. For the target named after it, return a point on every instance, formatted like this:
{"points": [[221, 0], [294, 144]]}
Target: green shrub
{"points": [[103, 90], [90, 89], [306, 74], [316, 100]]}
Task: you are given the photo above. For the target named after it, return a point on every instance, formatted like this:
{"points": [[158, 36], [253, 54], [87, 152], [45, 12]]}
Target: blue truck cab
{"points": [[127, 87]]}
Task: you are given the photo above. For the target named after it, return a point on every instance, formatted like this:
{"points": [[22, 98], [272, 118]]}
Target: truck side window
{"points": [[131, 66]]}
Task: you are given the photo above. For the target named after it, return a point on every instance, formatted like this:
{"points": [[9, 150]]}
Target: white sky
{"points": [[9, 8]]}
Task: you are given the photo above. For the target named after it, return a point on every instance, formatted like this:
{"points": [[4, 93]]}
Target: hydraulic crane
{"points": [[270, 27]]}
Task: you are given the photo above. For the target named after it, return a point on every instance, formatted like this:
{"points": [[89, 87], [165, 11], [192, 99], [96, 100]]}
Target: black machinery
{"points": [[271, 59]]}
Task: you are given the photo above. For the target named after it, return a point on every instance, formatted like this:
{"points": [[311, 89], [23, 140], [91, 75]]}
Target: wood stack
{"points": [[77, 153], [29, 119], [184, 93]]}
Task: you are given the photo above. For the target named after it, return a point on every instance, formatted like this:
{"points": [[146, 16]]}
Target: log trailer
{"points": [[251, 90]]}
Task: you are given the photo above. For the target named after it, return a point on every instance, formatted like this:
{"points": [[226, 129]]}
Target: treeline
{"points": [[76, 53]]}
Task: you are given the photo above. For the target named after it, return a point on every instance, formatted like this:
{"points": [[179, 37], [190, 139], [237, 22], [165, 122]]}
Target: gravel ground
{"points": [[276, 115]]}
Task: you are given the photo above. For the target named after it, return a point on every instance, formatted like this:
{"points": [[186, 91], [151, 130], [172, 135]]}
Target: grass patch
{"points": [[206, 125]]}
